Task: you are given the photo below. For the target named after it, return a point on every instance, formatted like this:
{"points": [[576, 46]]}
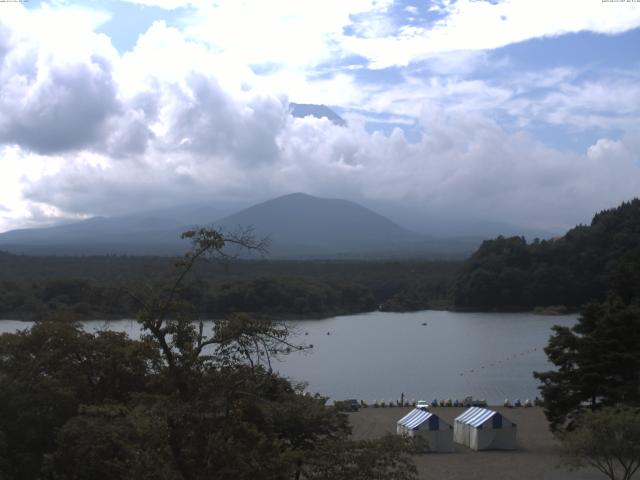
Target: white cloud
{"points": [[609, 102], [169, 4], [464, 163], [484, 25], [283, 32], [176, 120], [19, 169]]}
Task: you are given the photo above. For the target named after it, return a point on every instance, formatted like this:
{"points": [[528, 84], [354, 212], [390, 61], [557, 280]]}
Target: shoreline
{"points": [[543, 312]]}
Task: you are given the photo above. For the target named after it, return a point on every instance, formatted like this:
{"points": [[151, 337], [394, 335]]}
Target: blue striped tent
{"points": [[437, 433], [484, 429]]}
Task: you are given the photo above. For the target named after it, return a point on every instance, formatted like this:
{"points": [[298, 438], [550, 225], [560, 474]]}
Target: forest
{"points": [[104, 286], [586, 264]]}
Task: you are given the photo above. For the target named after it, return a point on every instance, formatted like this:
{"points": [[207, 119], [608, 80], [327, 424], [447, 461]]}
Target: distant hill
{"points": [[302, 110], [584, 265], [301, 224], [138, 235], [298, 225]]}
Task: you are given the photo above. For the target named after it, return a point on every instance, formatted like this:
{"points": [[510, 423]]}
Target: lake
{"points": [[379, 355]]}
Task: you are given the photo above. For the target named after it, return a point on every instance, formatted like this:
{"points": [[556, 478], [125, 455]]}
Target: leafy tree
{"points": [[597, 360], [51, 369], [608, 440], [112, 442]]}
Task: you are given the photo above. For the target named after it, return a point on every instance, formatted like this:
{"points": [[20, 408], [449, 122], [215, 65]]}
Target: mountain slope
{"points": [[324, 224]]}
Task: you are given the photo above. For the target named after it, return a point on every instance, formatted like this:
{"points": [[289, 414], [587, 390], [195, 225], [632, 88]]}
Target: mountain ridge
{"points": [[299, 226]]}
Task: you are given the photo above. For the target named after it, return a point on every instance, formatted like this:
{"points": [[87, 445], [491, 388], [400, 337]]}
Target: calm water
{"points": [[377, 356]]}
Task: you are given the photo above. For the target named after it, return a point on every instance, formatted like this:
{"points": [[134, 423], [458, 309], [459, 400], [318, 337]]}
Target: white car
{"points": [[422, 405]]}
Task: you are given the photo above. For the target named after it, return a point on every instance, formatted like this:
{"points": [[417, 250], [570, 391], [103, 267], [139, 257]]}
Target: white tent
{"points": [[483, 429], [437, 433]]}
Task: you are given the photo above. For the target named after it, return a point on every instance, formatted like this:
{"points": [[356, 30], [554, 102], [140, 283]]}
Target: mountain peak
{"points": [[302, 219], [301, 110]]}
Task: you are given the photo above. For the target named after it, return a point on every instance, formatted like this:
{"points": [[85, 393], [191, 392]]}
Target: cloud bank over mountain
{"points": [[187, 116]]}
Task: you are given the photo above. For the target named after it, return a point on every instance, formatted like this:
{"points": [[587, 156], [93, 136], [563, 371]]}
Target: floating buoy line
{"points": [[502, 362]]}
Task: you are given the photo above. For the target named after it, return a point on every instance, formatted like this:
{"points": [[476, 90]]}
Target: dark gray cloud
{"points": [[66, 111], [60, 109], [129, 134], [126, 187]]}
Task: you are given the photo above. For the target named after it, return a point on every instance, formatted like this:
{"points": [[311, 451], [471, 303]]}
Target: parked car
{"points": [[423, 405]]}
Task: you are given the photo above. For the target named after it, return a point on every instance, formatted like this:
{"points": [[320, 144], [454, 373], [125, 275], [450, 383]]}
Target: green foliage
{"points": [[48, 372], [112, 442], [582, 266], [608, 440], [597, 360]]}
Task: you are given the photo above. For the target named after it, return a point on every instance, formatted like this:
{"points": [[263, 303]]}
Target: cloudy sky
{"points": [[522, 111]]}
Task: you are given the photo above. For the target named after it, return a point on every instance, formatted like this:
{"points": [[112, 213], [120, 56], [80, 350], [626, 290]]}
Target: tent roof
{"points": [[415, 418], [475, 416]]}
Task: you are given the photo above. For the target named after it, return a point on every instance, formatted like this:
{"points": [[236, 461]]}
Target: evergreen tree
{"points": [[597, 360]]}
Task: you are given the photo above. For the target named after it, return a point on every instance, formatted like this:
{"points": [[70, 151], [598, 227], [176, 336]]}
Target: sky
{"points": [[518, 111]]}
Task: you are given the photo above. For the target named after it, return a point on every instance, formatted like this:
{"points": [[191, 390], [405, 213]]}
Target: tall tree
{"points": [[597, 360]]}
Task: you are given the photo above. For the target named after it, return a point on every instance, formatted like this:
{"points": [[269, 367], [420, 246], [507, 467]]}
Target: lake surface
{"points": [[379, 355]]}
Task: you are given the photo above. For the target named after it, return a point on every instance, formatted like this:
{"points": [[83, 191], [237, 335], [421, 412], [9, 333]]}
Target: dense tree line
{"points": [[585, 265], [100, 287], [81, 299], [182, 403]]}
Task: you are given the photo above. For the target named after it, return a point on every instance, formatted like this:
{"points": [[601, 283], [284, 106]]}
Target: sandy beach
{"points": [[536, 457]]}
